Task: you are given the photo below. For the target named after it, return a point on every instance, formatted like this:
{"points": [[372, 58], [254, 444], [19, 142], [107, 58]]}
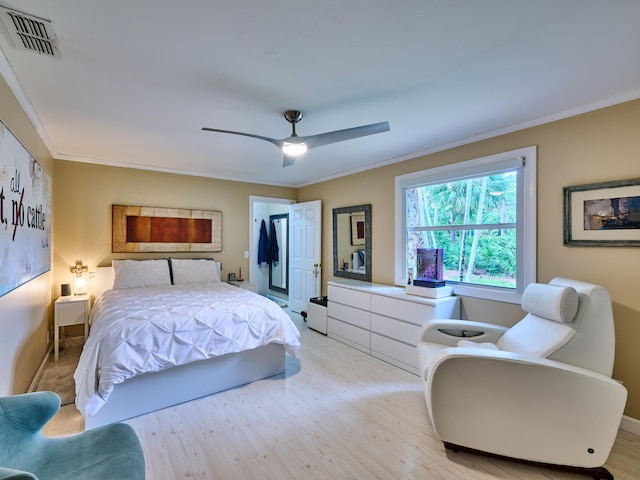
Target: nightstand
{"points": [[70, 310], [252, 287]]}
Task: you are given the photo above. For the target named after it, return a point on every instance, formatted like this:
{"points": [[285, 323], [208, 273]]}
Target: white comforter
{"points": [[150, 329]]}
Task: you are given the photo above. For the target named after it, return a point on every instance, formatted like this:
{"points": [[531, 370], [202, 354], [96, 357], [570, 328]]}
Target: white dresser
{"points": [[383, 320]]}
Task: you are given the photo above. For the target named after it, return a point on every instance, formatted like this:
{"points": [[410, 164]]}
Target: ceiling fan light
{"points": [[294, 149]]}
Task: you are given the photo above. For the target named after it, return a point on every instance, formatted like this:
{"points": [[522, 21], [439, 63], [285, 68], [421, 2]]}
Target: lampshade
{"points": [[294, 149], [80, 283]]}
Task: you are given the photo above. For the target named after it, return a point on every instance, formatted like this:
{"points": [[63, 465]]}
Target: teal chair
{"points": [[109, 452]]}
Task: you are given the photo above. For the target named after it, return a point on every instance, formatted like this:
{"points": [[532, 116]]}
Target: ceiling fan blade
{"points": [[288, 160], [276, 142], [321, 139], [311, 141]]}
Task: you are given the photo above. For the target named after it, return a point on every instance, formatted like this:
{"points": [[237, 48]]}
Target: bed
{"points": [[167, 331]]}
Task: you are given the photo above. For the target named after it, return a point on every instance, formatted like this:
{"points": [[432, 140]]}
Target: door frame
{"points": [[254, 232]]}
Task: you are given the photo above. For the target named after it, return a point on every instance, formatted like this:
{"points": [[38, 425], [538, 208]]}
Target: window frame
{"points": [[526, 219]]}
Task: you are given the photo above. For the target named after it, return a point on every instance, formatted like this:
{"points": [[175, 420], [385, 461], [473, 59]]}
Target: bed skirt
{"points": [[154, 391]]}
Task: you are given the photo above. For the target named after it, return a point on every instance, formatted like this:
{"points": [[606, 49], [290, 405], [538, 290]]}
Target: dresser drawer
{"points": [[347, 296], [353, 316], [71, 313], [354, 336], [412, 312], [391, 350], [383, 320], [389, 327]]}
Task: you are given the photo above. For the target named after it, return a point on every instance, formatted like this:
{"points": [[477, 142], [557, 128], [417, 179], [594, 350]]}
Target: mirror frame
{"points": [[285, 264], [366, 277]]}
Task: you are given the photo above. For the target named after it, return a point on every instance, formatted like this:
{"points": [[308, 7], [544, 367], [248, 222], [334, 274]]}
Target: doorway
{"points": [[263, 274], [304, 225]]}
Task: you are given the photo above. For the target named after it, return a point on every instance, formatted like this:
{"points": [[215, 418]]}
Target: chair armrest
{"points": [[30, 411], [449, 332], [562, 414], [11, 474]]}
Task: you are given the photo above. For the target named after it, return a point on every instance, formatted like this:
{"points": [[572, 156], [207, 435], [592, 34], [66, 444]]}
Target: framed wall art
{"points": [[357, 229], [25, 214], [158, 229], [603, 214]]}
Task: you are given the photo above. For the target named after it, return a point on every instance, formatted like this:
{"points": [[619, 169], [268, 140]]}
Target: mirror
{"points": [[352, 242], [279, 237]]}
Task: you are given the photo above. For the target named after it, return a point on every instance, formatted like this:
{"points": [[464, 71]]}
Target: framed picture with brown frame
{"points": [[605, 214], [159, 229]]}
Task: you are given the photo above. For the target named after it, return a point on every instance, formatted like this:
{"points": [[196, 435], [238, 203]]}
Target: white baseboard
{"points": [[630, 425], [38, 375]]}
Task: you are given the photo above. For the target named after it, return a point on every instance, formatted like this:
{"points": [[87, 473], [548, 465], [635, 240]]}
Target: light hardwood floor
{"points": [[337, 413]]}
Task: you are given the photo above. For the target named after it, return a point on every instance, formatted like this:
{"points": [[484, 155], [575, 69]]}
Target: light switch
{"points": [[246, 254]]}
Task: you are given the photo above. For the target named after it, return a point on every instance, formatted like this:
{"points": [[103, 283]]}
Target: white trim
{"points": [[630, 424], [471, 168], [528, 222], [38, 376], [16, 88], [45, 361], [254, 234]]}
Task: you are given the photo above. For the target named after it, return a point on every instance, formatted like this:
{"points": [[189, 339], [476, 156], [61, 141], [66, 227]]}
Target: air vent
{"points": [[29, 32]]}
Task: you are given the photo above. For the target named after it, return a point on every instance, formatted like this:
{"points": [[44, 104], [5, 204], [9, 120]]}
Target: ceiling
{"points": [[134, 82]]}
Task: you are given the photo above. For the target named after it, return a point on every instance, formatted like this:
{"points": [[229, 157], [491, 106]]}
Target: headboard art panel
{"points": [[157, 229]]}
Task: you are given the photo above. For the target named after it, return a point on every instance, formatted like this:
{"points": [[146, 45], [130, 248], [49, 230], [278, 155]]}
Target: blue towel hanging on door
{"points": [[263, 246], [274, 250]]}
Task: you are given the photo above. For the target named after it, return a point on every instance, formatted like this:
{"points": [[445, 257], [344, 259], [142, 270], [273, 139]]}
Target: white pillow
{"points": [[187, 271], [140, 273], [553, 302]]}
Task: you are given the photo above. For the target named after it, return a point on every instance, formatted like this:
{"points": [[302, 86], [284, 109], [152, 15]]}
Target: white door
{"points": [[305, 227]]}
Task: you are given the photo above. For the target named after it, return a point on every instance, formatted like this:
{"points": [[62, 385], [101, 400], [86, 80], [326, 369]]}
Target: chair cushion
{"points": [[110, 452], [481, 345], [535, 336], [553, 302], [106, 453]]}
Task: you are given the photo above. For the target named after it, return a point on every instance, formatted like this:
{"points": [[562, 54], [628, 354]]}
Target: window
{"points": [[482, 213]]}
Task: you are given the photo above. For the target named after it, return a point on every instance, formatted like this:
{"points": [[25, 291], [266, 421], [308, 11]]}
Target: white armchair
{"points": [[540, 391]]}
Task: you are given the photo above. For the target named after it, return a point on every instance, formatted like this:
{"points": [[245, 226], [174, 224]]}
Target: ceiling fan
{"points": [[295, 146]]}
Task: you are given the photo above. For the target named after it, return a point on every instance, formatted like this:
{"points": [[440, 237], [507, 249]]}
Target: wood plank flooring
{"points": [[336, 413]]}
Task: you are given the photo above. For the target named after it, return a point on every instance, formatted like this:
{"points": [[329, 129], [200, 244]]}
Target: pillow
{"points": [[140, 273], [552, 302], [187, 271]]}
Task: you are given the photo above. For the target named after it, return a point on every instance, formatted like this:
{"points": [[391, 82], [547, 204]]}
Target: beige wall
{"points": [[85, 193], [595, 147], [25, 313]]}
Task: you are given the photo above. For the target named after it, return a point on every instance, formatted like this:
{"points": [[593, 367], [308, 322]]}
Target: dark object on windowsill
{"points": [[428, 283]]}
